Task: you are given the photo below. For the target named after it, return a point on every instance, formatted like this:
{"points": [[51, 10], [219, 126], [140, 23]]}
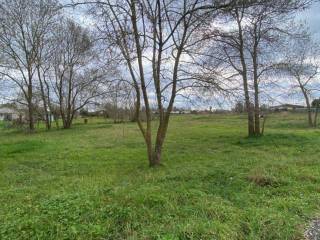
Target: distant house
{"points": [[180, 112], [287, 107], [8, 113]]}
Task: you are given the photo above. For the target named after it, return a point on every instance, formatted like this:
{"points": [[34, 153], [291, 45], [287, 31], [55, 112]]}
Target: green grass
{"points": [[93, 181]]}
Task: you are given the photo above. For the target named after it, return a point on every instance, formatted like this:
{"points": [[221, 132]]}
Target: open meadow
{"points": [[93, 181]]}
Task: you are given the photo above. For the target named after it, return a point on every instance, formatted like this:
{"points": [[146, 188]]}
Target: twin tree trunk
{"points": [[253, 110], [253, 113], [67, 120], [155, 152]]}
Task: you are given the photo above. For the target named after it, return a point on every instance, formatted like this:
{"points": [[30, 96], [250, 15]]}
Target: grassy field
{"points": [[93, 181]]}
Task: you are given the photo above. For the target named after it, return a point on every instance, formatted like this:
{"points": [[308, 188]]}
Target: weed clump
{"points": [[262, 179]]}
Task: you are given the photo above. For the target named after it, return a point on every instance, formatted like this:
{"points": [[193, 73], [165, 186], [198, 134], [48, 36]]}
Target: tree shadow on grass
{"points": [[12, 148]]}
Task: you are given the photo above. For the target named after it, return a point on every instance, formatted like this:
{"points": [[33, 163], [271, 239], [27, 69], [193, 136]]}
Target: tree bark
{"points": [[30, 109], [256, 93], [306, 97], [250, 117], [248, 103], [31, 118], [44, 100]]}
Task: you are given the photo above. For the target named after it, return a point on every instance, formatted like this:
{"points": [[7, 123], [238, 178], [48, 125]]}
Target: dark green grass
{"points": [[93, 181]]}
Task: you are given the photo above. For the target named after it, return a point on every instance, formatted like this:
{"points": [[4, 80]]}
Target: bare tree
{"points": [[23, 24], [302, 65], [245, 44], [151, 38], [44, 73], [119, 102], [77, 80]]}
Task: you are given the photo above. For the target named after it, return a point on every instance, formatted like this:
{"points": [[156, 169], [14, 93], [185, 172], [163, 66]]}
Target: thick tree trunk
{"points": [[66, 125], [64, 118], [156, 159], [31, 118], [257, 130], [250, 113], [67, 122], [155, 154]]}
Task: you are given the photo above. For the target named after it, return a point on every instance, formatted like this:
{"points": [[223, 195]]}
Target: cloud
{"points": [[312, 18]]}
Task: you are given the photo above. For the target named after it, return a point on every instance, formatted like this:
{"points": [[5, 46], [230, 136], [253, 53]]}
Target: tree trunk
{"points": [[306, 97], [67, 122], [316, 117], [31, 119], [156, 160], [251, 131], [249, 106], [310, 122], [45, 106], [256, 110], [66, 125], [257, 121], [245, 78], [148, 141], [156, 157], [30, 108], [256, 88]]}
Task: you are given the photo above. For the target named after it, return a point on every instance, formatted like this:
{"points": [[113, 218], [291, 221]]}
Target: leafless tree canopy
{"points": [[301, 65], [23, 29], [245, 44], [152, 38]]}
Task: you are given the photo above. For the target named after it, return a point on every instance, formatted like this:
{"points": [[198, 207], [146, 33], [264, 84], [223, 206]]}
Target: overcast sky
{"points": [[312, 18]]}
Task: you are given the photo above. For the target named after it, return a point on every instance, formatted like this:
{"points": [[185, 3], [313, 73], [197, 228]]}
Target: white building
{"points": [[7, 113]]}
